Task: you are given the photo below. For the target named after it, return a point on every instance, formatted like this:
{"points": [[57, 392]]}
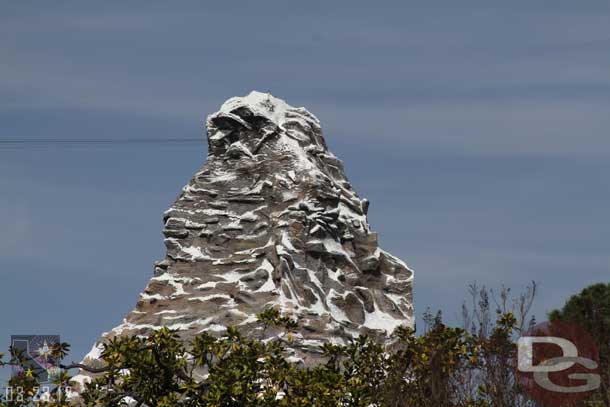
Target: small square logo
{"points": [[37, 355]]}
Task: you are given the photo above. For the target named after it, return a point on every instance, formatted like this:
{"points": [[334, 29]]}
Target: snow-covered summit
{"points": [[263, 104]]}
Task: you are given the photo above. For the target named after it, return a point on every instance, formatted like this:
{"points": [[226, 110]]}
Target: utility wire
{"points": [[47, 144], [68, 141]]}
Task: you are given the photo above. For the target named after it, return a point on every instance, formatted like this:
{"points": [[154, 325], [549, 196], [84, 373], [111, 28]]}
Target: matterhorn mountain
{"points": [[271, 220]]}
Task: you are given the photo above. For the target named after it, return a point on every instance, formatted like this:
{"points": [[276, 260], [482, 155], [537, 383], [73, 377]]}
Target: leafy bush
{"points": [[233, 370], [470, 366], [591, 310]]}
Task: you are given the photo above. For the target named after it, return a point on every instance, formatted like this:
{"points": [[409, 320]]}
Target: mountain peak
{"points": [[260, 103], [271, 220]]}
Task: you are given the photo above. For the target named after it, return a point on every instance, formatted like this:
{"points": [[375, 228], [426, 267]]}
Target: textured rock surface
{"points": [[271, 220]]}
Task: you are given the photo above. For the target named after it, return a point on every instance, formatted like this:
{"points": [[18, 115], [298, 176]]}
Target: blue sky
{"points": [[478, 130]]}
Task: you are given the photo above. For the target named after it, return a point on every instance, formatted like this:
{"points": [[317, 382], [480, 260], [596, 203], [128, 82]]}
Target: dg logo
{"points": [[557, 363]]}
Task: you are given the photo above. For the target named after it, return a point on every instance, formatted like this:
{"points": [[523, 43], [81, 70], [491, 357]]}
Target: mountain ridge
{"points": [[271, 220]]}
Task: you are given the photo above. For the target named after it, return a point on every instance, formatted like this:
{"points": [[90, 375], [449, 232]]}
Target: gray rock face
{"points": [[271, 221]]}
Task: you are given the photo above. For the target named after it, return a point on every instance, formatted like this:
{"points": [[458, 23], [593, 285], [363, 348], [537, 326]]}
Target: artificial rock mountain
{"points": [[271, 221]]}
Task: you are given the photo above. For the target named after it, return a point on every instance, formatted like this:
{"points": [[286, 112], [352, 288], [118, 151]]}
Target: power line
{"points": [[70, 141], [48, 144]]}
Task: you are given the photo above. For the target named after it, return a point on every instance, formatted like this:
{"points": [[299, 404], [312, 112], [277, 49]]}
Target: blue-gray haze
{"points": [[478, 130]]}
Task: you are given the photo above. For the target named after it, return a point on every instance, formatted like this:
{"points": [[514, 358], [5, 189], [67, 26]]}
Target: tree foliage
{"points": [[236, 371], [469, 366], [591, 310]]}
